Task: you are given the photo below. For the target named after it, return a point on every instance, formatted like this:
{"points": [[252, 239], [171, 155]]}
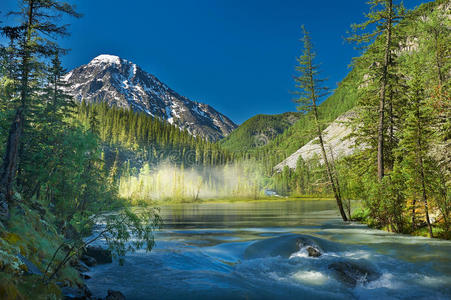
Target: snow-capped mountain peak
{"points": [[106, 58], [119, 82]]}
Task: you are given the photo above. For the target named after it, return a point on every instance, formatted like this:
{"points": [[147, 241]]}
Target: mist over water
{"points": [[167, 181], [251, 250]]}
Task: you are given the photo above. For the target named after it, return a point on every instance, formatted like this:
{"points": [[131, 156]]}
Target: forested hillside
{"points": [[399, 89], [258, 131], [135, 138]]}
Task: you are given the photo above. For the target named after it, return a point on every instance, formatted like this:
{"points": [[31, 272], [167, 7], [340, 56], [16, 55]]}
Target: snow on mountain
{"points": [[119, 82]]}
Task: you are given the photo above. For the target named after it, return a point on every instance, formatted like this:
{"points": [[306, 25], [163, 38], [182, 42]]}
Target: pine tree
{"points": [[310, 92], [417, 135], [385, 18]]}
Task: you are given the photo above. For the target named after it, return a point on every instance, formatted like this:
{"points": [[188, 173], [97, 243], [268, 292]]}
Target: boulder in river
{"points": [[102, 256], [115, 295], [313, 252], [351, 273]]}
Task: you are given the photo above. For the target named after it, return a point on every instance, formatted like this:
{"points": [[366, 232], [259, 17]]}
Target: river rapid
{"points": [[257, 250]]}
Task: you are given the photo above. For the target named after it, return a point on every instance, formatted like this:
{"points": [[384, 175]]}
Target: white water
{"points": [[250, 251]]}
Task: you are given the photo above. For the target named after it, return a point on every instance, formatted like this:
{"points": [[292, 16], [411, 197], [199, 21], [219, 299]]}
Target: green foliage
{"points": [[416, 185], [129, 230]]}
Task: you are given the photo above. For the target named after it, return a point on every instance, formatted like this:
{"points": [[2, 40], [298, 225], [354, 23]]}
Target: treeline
{"points": [[153, 160]]}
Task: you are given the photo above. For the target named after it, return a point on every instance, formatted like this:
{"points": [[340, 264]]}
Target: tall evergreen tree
{"points": [[417, 135], [310, 92], [384, 15]]}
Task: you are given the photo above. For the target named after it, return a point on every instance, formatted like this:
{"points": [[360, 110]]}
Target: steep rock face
{"points": [[119, 82], [335, 137]]}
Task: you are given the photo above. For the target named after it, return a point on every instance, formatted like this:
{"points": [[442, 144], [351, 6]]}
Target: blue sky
{"points": [[238, 56]]}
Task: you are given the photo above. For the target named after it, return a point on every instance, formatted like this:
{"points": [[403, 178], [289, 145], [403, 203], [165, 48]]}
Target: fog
{"points": [[169, 182]]}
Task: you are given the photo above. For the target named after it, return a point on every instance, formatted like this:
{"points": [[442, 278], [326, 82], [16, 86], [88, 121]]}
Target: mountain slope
{"points": [[258, 131], [342, 100], [121, 83], [335, 138]]}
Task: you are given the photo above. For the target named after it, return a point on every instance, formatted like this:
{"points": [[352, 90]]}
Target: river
{"points": [[256, 250]]}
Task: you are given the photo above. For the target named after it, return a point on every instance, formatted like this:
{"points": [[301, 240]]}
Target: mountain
{"points": [[121, 83], [259, 131]]}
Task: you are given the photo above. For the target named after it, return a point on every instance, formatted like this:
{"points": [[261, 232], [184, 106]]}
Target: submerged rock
{"points": [[313, 252], [284, 246], [351, 273], [88, 260], [115, 295], [102, 256]]}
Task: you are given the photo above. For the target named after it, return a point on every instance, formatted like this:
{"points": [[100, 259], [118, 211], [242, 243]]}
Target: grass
{"points": [[231, 199]]}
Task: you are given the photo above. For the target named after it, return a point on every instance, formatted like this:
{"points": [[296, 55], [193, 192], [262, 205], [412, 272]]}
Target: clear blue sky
{"points": [[236, 55]]}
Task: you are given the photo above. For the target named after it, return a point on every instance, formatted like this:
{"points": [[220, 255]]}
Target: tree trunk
{"points": [[326, 162], [329, 173], [425, 200], [380, 128], [391, 135], [414, 202], [320, 137], [421, 170], [337, 182]]}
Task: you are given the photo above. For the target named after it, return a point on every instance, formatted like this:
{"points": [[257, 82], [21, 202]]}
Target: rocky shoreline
{"points": [[92, 256]]}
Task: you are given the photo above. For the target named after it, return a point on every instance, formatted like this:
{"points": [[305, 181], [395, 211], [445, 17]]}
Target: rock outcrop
{"points": [[335, 137]]}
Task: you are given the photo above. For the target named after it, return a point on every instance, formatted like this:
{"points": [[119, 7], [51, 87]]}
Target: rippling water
{"points": [[251, 251]]}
